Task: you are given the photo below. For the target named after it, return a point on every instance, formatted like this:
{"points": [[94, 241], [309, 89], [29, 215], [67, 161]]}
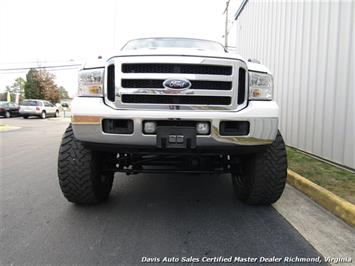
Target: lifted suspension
{"points": [[168, 163]]}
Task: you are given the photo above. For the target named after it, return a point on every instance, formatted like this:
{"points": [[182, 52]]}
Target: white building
{"points": [[309, 47]]}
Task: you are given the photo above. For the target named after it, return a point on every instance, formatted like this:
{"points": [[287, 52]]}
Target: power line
{"points": [[73, 66], [38, 62], [25, 71]]}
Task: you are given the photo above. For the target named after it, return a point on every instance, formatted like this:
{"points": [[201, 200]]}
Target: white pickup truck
{"points": [[174, 105]]}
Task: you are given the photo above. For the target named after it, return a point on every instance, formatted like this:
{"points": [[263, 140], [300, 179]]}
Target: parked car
{"points": [[9, 109], [38, 108]]}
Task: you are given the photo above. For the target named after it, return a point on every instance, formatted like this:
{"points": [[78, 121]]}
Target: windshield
{"points": [[154, 43], [30, 103]]}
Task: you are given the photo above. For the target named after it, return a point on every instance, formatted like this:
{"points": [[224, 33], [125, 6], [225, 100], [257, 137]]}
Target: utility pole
{"points": [[226, 24]]}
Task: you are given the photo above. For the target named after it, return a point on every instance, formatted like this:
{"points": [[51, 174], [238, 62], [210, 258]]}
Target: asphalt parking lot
{"points": [[148, 215]]}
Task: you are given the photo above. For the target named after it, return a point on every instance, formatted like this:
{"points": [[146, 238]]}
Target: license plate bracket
{"points": [[176, 137]]}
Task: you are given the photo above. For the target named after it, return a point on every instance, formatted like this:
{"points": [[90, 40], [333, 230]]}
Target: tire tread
{"points": [[77, 170], [266, 175]]}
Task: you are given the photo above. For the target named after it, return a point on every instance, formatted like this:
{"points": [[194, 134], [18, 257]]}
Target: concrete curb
{"points": [[333, 203]]}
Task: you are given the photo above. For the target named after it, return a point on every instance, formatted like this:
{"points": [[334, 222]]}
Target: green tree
{"points": [[3, 96], [63, 93], [18, 87], [32, 85], [11, 91]]}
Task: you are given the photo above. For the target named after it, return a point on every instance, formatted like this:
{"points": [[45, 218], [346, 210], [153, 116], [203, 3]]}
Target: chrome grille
{"points": [[158, 84], [177, 68], [176, 100], [138, 83]]}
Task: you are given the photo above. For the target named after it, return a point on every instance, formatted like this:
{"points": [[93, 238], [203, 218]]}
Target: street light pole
{"points": [[226, 25]]}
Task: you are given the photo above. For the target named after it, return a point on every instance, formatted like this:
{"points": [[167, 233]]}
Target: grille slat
{"points": [[241, 85], [177, 68], [111, 83], [158, 84], [170, 99]]}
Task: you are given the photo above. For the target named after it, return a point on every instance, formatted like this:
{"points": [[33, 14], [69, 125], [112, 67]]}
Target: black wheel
{"points": [[79, 170], [56, 114], [43, 115], [7, 114], [25, 116], [260, 179]]}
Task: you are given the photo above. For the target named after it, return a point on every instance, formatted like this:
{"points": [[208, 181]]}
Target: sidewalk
{"points": [[324, 231]]}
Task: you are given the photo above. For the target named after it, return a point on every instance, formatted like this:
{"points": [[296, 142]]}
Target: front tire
{"points": [[261, 179], [79, 170], [56, 114], [43, 115], [7, 114]]}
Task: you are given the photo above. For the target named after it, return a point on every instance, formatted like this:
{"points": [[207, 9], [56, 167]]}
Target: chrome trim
{"points": [[175, 76], [164, 91], [119, 91], [263, 118]]}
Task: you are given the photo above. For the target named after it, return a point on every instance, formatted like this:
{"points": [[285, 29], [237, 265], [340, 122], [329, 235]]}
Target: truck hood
{"points": [[178, 52], [258, 67], [181, 52]]}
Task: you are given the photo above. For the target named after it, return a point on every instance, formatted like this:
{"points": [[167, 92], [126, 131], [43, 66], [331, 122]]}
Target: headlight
{"points": [[260, 86], [91, 82]]}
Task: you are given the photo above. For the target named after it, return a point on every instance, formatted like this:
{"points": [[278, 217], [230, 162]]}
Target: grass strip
{"points": [[337, 180]]}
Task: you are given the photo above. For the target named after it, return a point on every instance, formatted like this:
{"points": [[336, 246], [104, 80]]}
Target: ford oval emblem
{"points": [[177, 84]]}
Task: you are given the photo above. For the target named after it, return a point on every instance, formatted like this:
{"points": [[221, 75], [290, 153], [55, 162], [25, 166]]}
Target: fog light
{"points": [[203, 128], [150, 127]]}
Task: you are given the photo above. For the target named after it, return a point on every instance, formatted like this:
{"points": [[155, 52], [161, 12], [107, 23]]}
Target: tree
{"points": [[3, 96], [18, 87], [63, 93], [48, 86], [9, 89], [40, 85], [32, 85]]}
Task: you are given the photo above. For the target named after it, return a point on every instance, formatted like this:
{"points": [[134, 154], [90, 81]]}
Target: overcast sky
{"points": [[39, 32]]}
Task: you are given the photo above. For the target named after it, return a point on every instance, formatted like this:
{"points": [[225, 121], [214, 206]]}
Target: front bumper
{"points": [[88, 113]]}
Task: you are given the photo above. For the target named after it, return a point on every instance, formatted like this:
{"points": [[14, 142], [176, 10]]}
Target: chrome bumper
{"points": [[87, 114]]}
